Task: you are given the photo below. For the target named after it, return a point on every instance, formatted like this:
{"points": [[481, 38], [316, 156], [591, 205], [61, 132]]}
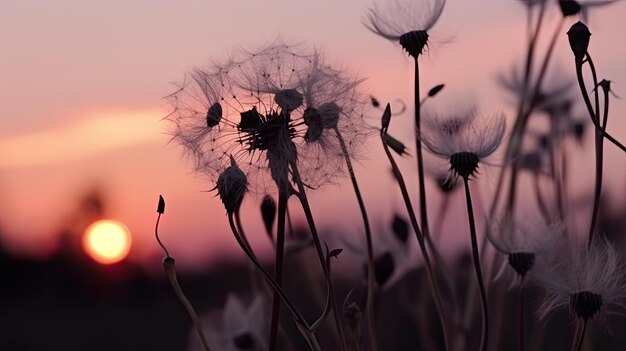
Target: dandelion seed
{"points": [[462, 139], [588, 281], [523, 242], [405, 21]]}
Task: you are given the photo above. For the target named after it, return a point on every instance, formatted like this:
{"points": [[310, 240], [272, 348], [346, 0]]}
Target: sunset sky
{"points": [[82, 86]]}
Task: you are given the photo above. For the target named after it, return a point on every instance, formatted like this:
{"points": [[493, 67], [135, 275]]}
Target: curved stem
{"points": [[156, 235], [583, 90], [434, 285], [477, 268], [292, 308], [372, 287], [599, 152], [301, 195], [278, 268]]}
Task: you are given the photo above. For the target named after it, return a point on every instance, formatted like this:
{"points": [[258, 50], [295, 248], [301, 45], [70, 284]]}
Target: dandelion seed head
{"points": [[589, 281], [258, 106], [391, 19], [462, 139]]}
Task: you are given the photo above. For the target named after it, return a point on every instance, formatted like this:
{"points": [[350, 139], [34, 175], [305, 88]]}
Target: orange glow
{"points": [[107, 241]]}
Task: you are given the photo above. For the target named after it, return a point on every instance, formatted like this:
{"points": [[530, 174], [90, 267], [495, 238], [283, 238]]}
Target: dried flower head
{"points": [[256, 106], [522, 242], [588, 280], [462, 139], [406, 21], [237, 327]]}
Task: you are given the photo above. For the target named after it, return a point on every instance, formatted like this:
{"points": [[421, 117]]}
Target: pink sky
{"points": [[82, 86]]}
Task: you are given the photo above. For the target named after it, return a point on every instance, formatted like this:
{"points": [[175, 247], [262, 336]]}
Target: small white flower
{"points": [[236, 327], [407, 21], [462, 139], [588, 280]]}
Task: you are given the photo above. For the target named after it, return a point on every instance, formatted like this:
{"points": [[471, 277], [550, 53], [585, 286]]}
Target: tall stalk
{"points": [[278, 268], [372, 286], [477, 268], [434, 285], [301, 195], [418, 152]]}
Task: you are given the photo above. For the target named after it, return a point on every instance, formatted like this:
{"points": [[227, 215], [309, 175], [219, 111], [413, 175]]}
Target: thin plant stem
{"points": [[301, 194], [583, 90], [581, 337], [418, 153], [156, 235], [434, 285], [298, 316], [599, 153], [278, 268], [170, 271], [477, 268], [372, 287], [521, 315]]}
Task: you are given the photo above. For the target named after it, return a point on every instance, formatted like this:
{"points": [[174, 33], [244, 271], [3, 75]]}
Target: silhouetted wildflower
{"points": [[462, 139], [256, 107], [405, 21], [522, 242], [588, 280]]}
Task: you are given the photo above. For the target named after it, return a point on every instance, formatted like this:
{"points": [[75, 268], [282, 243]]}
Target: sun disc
{"points": [[107, 241]]}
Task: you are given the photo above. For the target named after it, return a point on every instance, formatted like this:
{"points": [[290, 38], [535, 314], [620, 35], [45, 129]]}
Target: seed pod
{"points": [[579, 36]]}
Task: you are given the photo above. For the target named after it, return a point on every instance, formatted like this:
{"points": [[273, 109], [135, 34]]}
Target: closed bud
{"points": [[395, 145], [579, 36], [231, 186], [386, 117], [268, 212], [161, 205], [435, 90], [569, 7], [400, 228]]}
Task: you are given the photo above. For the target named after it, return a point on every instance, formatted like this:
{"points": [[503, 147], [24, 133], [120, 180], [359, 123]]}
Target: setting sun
{"points": [[107, 241]]}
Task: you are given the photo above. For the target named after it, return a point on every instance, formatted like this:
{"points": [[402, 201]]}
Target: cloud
{"points": [[84, 138]]}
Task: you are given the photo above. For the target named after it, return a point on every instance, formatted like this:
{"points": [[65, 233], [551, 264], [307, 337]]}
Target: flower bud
{"points": [[288, 99], [435, 90], [578, 36], [161, 205], [400, 228], [268, 212], [231, 187], [569, 7], [214, 115]]}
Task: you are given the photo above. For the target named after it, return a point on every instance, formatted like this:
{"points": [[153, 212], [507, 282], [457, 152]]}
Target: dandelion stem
{"points": [[372, 287], [278, 268], [156, 235], [434, 285], [477, 268], [170, 271], [583, 90], [299, 318], [599, 152], [581, 337], [320, 252], [418, 153], [521, 315]]}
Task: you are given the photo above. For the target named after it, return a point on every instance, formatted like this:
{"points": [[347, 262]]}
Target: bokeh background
{"points": [[82, 137]]}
